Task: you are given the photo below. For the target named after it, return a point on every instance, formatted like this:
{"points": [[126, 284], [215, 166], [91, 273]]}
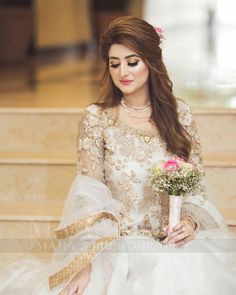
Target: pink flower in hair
{"points": [[159, 31]]}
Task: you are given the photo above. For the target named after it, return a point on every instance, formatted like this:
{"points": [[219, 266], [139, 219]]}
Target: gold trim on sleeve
{"points": [[82, 224], [79, 262]]}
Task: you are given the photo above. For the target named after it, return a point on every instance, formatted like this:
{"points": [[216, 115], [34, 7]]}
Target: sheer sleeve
{"points": [[90, 144], [189, 123], [89, 220]]}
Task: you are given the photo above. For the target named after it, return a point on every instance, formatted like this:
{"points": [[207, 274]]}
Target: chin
{"points": [[127, 91]]}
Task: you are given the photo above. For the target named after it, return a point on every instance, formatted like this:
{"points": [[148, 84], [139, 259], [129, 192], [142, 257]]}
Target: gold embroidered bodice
{"points": [[120, 156]]}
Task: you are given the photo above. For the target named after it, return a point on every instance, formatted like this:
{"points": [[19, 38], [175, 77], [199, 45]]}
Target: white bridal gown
{"points": [[113, 219]]}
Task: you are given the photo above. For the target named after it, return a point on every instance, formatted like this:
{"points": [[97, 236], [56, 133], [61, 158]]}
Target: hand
{"points": [[78, 283], [182, 233]]}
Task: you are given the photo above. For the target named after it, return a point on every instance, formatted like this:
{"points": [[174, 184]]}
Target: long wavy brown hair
{"points": [[141, 37]]}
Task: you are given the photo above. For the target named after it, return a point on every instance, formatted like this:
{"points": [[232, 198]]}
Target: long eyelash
{"points": [[132, 64], [114, 66]]}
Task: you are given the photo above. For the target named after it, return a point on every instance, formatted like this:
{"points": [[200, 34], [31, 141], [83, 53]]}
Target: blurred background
{"points": [[50, 48], [49, 71]]}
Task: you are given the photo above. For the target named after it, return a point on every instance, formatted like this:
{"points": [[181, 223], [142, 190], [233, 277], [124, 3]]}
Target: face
{"points": [[128, 72]]}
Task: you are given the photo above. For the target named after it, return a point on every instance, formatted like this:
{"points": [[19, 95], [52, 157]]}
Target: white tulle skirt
{"points": [[144, 266], [138, 265], [131, 264]]}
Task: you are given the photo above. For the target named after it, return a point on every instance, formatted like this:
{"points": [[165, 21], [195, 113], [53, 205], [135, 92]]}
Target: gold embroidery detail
{"points": [[82, 224], [155, 234], [90, 147], [79, 262], [141, 132], [187, 120], [147, 138], [110, 122]]}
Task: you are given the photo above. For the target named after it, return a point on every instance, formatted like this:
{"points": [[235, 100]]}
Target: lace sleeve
{"points": [[187, 120], [90, 146]]}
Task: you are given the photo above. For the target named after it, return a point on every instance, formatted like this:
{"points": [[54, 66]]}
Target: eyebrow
{"points": [[128, 56]]}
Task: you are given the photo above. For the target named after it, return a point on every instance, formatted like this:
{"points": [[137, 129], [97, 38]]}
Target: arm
{"points": [[90, 148], [184, 231], [197, 209], [187, 120], [89, 208]]}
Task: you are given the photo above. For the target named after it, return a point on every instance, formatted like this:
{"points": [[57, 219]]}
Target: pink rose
{"points": [[159, 31], [171, 165]]}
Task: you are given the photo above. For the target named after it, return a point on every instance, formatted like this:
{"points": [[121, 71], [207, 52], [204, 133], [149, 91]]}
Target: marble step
{"points": [[27, 229], [40, 177], [36, 176], [220, 169], [39, 130], [55, 129], [217, 129]]}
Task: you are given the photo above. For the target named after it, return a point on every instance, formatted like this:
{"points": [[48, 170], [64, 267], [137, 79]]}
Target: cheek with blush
{"points": [[141, 74]]}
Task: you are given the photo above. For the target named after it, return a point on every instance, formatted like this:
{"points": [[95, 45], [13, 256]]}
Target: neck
{"points": [[136, 100]]}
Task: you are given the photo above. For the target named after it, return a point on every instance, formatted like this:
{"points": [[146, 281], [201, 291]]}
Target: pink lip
{"points": [[126, 82]]}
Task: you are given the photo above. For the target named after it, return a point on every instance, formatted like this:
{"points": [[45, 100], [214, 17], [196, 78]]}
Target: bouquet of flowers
{"points": [[177, 178]]}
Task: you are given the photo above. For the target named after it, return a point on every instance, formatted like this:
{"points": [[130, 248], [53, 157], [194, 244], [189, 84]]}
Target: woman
{"points": [[112, 221]]}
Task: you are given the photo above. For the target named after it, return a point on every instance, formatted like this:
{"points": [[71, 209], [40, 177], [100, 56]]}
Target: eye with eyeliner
{"points": [[114, 65], [130, 63]]}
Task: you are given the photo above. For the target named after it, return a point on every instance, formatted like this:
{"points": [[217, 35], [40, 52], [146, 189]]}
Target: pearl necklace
{"points": [[138, 109], [134, 116]]}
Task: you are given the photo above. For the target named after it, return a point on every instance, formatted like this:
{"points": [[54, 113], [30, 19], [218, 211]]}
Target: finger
{"points": [[175, 233], [179, 225], [179, 237], [166, 227], [179, 231], [82, 287], [183, 242], [164, 241]]}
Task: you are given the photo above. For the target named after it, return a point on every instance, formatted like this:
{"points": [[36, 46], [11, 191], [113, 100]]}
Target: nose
{"points": [[123, 69]]}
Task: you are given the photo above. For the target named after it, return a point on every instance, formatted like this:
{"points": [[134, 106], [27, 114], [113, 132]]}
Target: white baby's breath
{"points": [[176, 177]]}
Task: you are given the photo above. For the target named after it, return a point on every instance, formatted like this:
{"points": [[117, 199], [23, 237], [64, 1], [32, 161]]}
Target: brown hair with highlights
{"points": [[141, 37]]}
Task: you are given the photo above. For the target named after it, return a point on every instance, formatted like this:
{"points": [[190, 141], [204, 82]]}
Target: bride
{"points": [[113, 232]]}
